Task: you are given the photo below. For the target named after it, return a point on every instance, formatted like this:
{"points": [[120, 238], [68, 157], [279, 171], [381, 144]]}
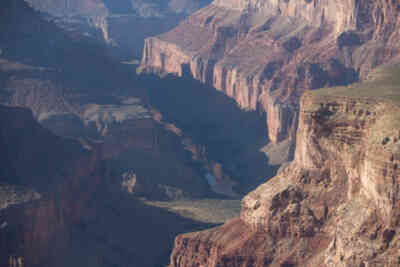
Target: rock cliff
{"points": [[61, 204], [336, 204], [70, 98], [265, 54], [34, 160]]}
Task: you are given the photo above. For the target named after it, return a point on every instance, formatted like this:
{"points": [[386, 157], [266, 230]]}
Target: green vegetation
{"points": [[131, 62], [202, 210], [382, 83]]}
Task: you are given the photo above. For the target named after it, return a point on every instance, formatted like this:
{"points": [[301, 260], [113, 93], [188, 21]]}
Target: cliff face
{"points": [[67, 95], [34, 160], [336, 204], [342, 15], [61, 202], [264, 54]]}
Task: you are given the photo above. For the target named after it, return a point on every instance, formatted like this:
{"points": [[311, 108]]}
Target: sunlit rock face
{"points": [[265, 54], [336, 204]]}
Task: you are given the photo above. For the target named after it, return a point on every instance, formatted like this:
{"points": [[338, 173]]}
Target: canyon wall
{"points": [[336, 204], [35, 160], [63, 204], [341, 14], [80, 93], [265, 54]]}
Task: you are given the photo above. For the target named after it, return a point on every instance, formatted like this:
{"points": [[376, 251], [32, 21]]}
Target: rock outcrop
{"points": [[82, 105], [62, 205], [34, 160], [336, 204], [265, 54], [73, 100]]}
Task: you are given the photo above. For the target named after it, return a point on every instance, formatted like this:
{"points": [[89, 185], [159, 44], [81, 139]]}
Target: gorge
{"points": [[265, 54], [291, 107], [335, 204]]}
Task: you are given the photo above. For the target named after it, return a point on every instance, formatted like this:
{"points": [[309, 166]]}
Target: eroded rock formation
{"points": [[34, 160], [336, 204], [61, 204], [122, 25], [265, 54], [67, 95]]}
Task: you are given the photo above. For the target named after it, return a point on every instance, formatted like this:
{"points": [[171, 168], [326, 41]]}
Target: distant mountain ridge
{"points": [[142, 8]]}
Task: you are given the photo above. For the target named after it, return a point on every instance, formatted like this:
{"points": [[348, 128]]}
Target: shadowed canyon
{"points": [[201, 133]]}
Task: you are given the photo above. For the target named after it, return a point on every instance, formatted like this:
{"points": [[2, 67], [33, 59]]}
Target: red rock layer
{"points": [[265, 54], [336, 204]]}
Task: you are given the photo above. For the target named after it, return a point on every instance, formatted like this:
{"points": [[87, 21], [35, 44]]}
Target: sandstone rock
{"points": [[265, 54], [336, 204], [80, 216]]}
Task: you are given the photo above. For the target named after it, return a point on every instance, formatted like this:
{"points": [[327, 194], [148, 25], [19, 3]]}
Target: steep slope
{"points": [[61, 204], [102, 100], [265, 54], [35, 160], [96, 99], [72, 201], [336, 204], [121, 24], [143, 8]]}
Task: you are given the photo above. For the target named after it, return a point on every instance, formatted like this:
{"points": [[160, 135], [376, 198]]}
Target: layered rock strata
{"points": [[264, 54], [336, 204], [34, 160], [122, 25], [75, 104], [61, 204]]}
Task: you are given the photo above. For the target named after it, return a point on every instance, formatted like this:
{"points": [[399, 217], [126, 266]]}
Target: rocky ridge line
{"points": [[265, 54]]}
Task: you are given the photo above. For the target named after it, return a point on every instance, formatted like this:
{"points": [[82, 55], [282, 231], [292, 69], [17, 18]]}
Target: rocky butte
{"points": [[266, 53], [336, 204]]}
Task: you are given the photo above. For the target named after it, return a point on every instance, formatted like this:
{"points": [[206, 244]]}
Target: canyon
{"points": [[335, 204], [122, 25], [80, 147], [265, 54], [55, 210], [291, 105]]}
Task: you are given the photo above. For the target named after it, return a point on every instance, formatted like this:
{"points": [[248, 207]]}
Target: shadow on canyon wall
{"points": [[231, 136]]}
